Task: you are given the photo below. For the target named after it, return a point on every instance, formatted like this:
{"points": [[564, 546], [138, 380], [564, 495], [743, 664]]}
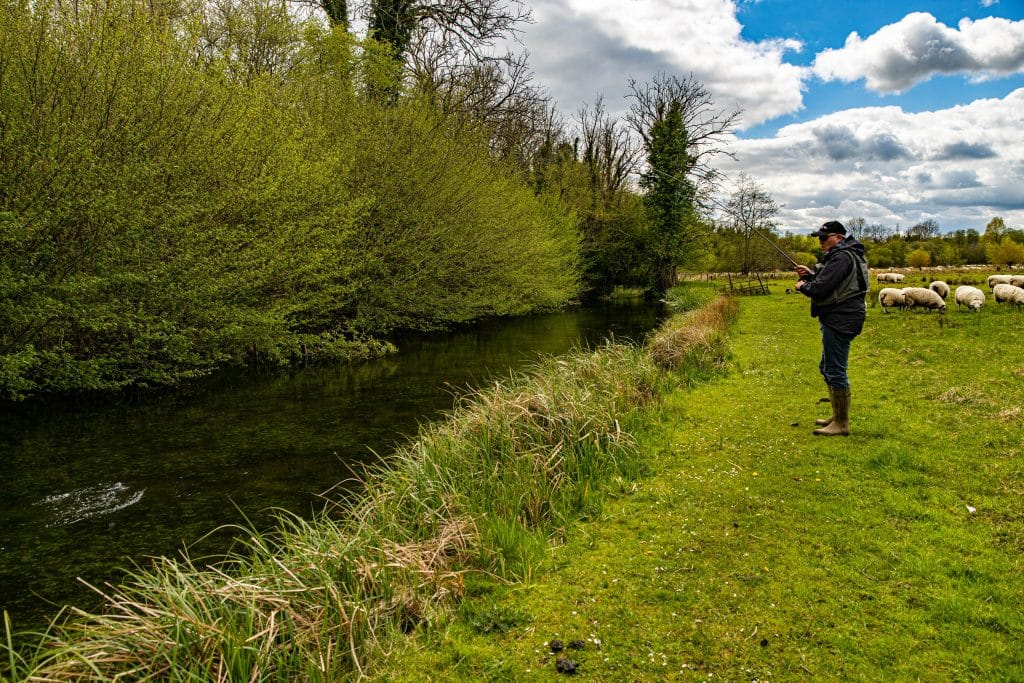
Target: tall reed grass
{"points": [[694, 340], [482, 491]]}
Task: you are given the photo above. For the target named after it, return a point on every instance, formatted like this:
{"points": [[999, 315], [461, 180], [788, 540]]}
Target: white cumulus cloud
{"points": [[582, 47], [917, 47], [959, 166]]}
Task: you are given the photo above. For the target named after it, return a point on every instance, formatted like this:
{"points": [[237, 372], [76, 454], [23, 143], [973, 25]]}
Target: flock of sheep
{"points": [[1005, 289]]}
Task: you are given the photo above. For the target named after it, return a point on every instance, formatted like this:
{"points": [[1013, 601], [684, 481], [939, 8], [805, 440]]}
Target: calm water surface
{"points": [[87, 492]]}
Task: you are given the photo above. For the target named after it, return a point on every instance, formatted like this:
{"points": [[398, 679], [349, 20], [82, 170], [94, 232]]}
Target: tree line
{"points": [[734, 247]]}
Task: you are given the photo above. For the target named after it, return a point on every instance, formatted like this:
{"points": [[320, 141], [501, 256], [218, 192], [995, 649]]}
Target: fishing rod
{"points": [[776, 247]]}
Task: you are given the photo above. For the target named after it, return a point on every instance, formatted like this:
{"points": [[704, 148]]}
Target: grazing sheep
{"points": [[994, 280], [971, 297], [889, 297], [1017, 280], [1004, 293], [940, 288], [889, 277], [923, 298]]}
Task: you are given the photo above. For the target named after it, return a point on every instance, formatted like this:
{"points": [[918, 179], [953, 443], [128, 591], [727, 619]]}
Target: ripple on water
{"points": [[92, 501]]}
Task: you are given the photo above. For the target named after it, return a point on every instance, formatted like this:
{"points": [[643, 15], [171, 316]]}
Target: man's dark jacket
{"points": [[843, 271]]}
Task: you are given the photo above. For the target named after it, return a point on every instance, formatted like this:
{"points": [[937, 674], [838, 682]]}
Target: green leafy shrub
{"points": [[174, 200]]}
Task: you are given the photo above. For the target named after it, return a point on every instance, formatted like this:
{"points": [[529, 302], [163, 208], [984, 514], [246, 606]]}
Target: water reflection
{"points": [[87, 492]]}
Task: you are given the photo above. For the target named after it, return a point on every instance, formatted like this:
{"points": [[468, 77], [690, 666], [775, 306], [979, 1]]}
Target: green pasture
{"points": [[752, 550]]}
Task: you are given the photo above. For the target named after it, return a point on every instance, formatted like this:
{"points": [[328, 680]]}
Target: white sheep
{"points": [[994, 280], [1017, 280], [889, 277], [940, 288], [889, 297], [1004, 293], [971, 297], [924, 298]]}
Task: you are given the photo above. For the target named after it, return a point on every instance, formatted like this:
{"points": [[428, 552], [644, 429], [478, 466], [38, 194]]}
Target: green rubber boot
{"points": [[840, 425], [826, 421]]}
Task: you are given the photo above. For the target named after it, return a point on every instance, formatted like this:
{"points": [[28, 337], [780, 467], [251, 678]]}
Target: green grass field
{"points": [[752, 550]]}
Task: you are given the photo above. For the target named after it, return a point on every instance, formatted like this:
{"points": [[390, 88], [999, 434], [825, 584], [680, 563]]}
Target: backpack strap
{"points": [[856, 269]]}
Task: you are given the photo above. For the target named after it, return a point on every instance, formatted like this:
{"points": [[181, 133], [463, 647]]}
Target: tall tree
{"points": [[1005, 253], [612, 216], [751, 208], [857, 225], [926, 229], [253, 37], [670, 196], [392, 22], [875, 232], [682, 132], [470, 23], [496, 93], [995, 230], [336, 11], [607, 149]]}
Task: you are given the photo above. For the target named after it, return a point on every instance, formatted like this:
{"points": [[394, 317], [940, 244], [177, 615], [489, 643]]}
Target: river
{"points": [[90, 491]]}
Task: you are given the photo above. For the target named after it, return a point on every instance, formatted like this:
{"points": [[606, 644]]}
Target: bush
{"points": [[172, 203]]}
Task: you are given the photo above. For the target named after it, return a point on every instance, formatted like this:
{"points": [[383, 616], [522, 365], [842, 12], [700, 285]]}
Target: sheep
{"points": [[1017, 280], [1004, 293], [889, 277], [971, 297], [925, 298], [940, 288], [994, 280], [890, 296]]}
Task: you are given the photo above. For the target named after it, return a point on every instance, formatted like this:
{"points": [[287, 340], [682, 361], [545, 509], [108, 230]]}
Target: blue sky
{"points": [[894, 111], [826, 25]]}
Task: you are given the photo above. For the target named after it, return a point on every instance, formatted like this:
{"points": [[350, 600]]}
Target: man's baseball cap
{"points": [[830, 228]]}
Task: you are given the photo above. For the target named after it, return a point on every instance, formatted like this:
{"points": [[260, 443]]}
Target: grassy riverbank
{"points": [[755, 551], [480, 494]]}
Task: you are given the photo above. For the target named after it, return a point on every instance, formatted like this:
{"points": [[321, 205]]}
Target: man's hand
{"points": [[802, 272]]}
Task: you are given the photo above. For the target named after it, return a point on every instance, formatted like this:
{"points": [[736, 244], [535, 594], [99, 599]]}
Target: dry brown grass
{"points": [[695, 337]]}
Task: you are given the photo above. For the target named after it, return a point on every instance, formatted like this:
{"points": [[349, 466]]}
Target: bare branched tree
{"points": [[254, 37], [496, 92], [706, 127], [856, 226], [607, 148], [875, 232], [924, 230], [751, 208], [474, 25]]}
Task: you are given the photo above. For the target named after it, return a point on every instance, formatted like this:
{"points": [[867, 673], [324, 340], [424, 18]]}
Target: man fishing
{"points": [[837, 288]]}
